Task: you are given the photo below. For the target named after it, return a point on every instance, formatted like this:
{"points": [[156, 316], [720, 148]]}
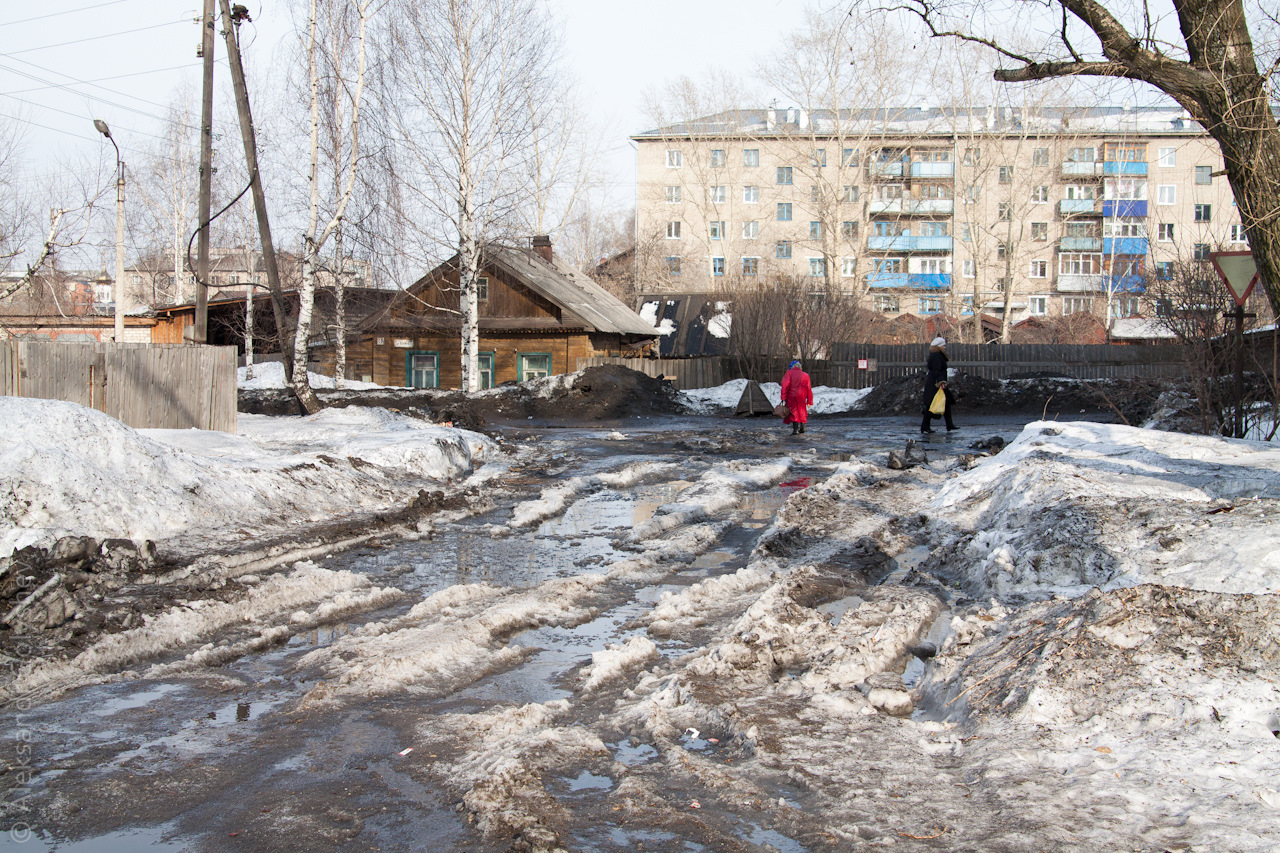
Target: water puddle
{"points": [[633, 754], [129, 840], [835, 610], [588, 781]]}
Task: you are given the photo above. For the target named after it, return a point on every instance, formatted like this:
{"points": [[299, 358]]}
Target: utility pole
{"points": [[200, 330], [231, 22]]}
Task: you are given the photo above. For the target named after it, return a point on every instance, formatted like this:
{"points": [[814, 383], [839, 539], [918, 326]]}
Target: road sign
{"points": [[1237, 271]]}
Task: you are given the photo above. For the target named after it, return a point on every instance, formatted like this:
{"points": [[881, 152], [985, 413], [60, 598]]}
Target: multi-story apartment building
{"points": [[924, 211]]}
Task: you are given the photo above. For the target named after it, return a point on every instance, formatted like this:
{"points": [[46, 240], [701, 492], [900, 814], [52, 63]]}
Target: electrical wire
{"points": [[95, 6], [93, 38], [196, 233], [94, 82], [97, 98]]}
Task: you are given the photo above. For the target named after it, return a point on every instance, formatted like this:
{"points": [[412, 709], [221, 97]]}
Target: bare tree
{"points": [[467, 126], [1213, 72]]}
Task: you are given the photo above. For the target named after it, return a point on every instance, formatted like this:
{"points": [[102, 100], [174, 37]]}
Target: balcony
{"points": [[1123, 167], [907, 243], [933, 170], [1078, 206], [1125, 208], [886, 279], [886, 170], [911, 206], [1080, 244], [1124, 246], [1080, 283], [929, 281], [1127, 284], [1075, 168]]}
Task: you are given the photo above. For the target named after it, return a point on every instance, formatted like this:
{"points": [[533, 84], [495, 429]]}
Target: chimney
{"points": [[542, 245]]}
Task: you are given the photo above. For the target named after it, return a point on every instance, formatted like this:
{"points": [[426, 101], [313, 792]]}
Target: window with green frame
{"points": [[533, 365], [486, 369], [422, 369]]}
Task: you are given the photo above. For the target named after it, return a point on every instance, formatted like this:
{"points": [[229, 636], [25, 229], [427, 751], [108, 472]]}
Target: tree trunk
{"points": [[340, 312]]}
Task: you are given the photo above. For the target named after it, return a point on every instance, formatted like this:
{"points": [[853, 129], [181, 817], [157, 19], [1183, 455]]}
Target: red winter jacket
{"points": [[797, 393]]}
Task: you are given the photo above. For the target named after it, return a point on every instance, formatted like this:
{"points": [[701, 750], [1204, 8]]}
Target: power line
{"points": [[67, 12], [94, 82], [94, 38], [75, 115], [96, 98]]}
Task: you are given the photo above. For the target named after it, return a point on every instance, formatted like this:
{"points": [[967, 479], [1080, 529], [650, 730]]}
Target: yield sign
{"points": [[1237, 271]]}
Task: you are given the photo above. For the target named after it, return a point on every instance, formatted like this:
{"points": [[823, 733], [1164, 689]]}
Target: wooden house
{"points": [[537, 317]]}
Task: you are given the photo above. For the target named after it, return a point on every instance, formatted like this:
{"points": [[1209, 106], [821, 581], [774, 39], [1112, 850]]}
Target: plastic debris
{"points": [[406, 751], [693, 733], [695, 805], [713, 740]]}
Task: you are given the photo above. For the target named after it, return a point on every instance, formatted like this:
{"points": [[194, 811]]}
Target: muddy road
{"points": [[508, 677]]}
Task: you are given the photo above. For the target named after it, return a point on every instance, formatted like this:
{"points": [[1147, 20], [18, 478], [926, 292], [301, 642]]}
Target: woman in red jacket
{"points": [[797, 394]]}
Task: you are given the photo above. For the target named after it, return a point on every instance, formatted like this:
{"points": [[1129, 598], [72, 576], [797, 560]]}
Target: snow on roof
{"points": [[1140, 328]]}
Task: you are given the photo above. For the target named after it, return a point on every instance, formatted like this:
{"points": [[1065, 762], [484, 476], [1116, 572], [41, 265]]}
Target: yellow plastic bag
{"points": [[939, 404]]}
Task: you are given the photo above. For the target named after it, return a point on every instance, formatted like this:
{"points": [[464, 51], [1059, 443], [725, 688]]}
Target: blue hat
{"points": [[794, 363]]}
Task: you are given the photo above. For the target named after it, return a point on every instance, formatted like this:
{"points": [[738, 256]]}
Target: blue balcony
{"points": [[929, 281], [1123, 167], [1125, 208], [933, 170], [887, 170], [1127, 284], [1124, 246], [907, 243], [1077, 205], [1080, 244], [886, 279]]}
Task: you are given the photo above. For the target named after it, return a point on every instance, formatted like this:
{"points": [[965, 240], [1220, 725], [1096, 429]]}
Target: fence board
{"points": [[173, 386]]}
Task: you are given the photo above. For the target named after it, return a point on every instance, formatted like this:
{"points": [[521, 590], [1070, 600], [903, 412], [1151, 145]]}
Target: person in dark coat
{"points": [[797, 395], [935, 378]]}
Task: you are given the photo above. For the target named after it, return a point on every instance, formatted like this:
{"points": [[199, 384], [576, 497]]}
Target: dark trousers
{"points": [[946, 414]]}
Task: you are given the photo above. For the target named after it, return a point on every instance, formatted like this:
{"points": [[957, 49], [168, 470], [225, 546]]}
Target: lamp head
{"points": [[102, 127]]}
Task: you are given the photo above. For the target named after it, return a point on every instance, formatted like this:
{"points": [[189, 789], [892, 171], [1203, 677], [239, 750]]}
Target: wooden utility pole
{"points": [[200, 329], [230, 23]]}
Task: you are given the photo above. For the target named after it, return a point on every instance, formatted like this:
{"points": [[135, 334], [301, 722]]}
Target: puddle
{"points": [[136, 699], [835, 610], [775, 840], [588, 781], [128, 840], [632, 755]]}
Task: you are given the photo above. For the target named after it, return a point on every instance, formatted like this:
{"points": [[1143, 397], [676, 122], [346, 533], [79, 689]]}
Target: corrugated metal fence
{"points": [[864, 365], [167, 386]]}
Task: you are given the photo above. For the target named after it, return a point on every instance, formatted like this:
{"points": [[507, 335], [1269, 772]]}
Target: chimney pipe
{"points": [[542, 245]]}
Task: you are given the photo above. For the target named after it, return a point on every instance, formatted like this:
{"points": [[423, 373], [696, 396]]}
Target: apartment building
{"points": [[924, 211]]}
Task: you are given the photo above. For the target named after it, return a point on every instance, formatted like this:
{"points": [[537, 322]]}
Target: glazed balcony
{"points": [[1123, 167], [1124, 245], [912, 206], [1079, 207], [1080, 244], [1125, 208], [908, 243]]}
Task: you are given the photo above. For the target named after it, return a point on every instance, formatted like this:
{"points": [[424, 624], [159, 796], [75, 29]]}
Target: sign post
{"points": [[1239, 273]]}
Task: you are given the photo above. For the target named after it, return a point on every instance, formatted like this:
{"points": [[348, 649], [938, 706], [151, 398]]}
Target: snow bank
{"points": [[270, 375], [718, 489], [826, 400]]}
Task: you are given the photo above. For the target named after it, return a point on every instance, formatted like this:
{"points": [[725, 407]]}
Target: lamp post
{"points": [[119, 285]]}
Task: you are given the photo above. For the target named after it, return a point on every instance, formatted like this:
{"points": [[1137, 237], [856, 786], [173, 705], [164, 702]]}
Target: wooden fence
{"points": [[864, 365], [166, 386]]}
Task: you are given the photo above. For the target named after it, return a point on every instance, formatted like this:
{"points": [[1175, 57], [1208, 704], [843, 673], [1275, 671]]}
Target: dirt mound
{"points": [[1051, 396], [608, 392]]}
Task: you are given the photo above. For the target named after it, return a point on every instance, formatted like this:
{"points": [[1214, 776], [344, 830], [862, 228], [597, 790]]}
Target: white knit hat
{"points": [[938, 342]]}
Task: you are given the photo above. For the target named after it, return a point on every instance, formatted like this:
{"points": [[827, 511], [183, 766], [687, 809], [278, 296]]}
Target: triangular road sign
{"points": [[1237, 271]]}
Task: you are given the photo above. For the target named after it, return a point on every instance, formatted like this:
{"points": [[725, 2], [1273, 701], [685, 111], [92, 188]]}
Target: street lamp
{"points": [[119, 285]]}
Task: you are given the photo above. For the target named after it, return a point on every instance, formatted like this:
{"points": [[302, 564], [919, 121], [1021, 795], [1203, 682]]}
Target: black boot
{"points": [[802, 427], [795, 428]]}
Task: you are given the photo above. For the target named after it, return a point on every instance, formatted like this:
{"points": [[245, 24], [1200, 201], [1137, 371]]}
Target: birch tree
{"points": [[463, 116]]}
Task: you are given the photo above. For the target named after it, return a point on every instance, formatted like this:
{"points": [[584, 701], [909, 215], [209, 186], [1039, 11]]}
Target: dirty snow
{"points": [[270, 376], [826, 400]]}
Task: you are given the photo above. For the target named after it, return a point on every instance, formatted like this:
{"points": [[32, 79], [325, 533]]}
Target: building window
{"points": [[784, 175], [783, 249], [1165, 232], [1002, 250], [716, 229], [815, 230], [1168, 156], [849, 157], [935, 191], [1039, 269], [887, 227], [1040, 195], [818, 157], [675, 158], [716, 195], [1239, 234], [485, 363], [972, 193], [848, 267], [717, 158], [423, 369], [673, 230], [1200, 251], [533, 365], [966, 233], [815, 194], [750, 230], [750, 157], [1081, 192], [750, 195], [1164, 307], [1040, 157], [1006, 174], [1080, 155], [1124, 228], [1204, 212], [784, 211], [674, 195], [849, 229], [887, 264], [750, 266], [1125, 306], [1040, 231], [1004, 211], [930, 305], [817, 267], [887, 304], [889, 192], [1204, 174], [851, 193], [1166, 194], [1076, 305], [972, 156], [1038, 305], [717, 266], [482, 289], [934, 229], [1071, 263], [673, 266], [1164, 270], [967, 268]]}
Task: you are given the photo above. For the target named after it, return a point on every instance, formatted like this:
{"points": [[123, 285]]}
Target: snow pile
{"points": [[717, 490], [615, 659], [826, 400], [270, 376], [1068, 506], [554, 500], [72, 471]]}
